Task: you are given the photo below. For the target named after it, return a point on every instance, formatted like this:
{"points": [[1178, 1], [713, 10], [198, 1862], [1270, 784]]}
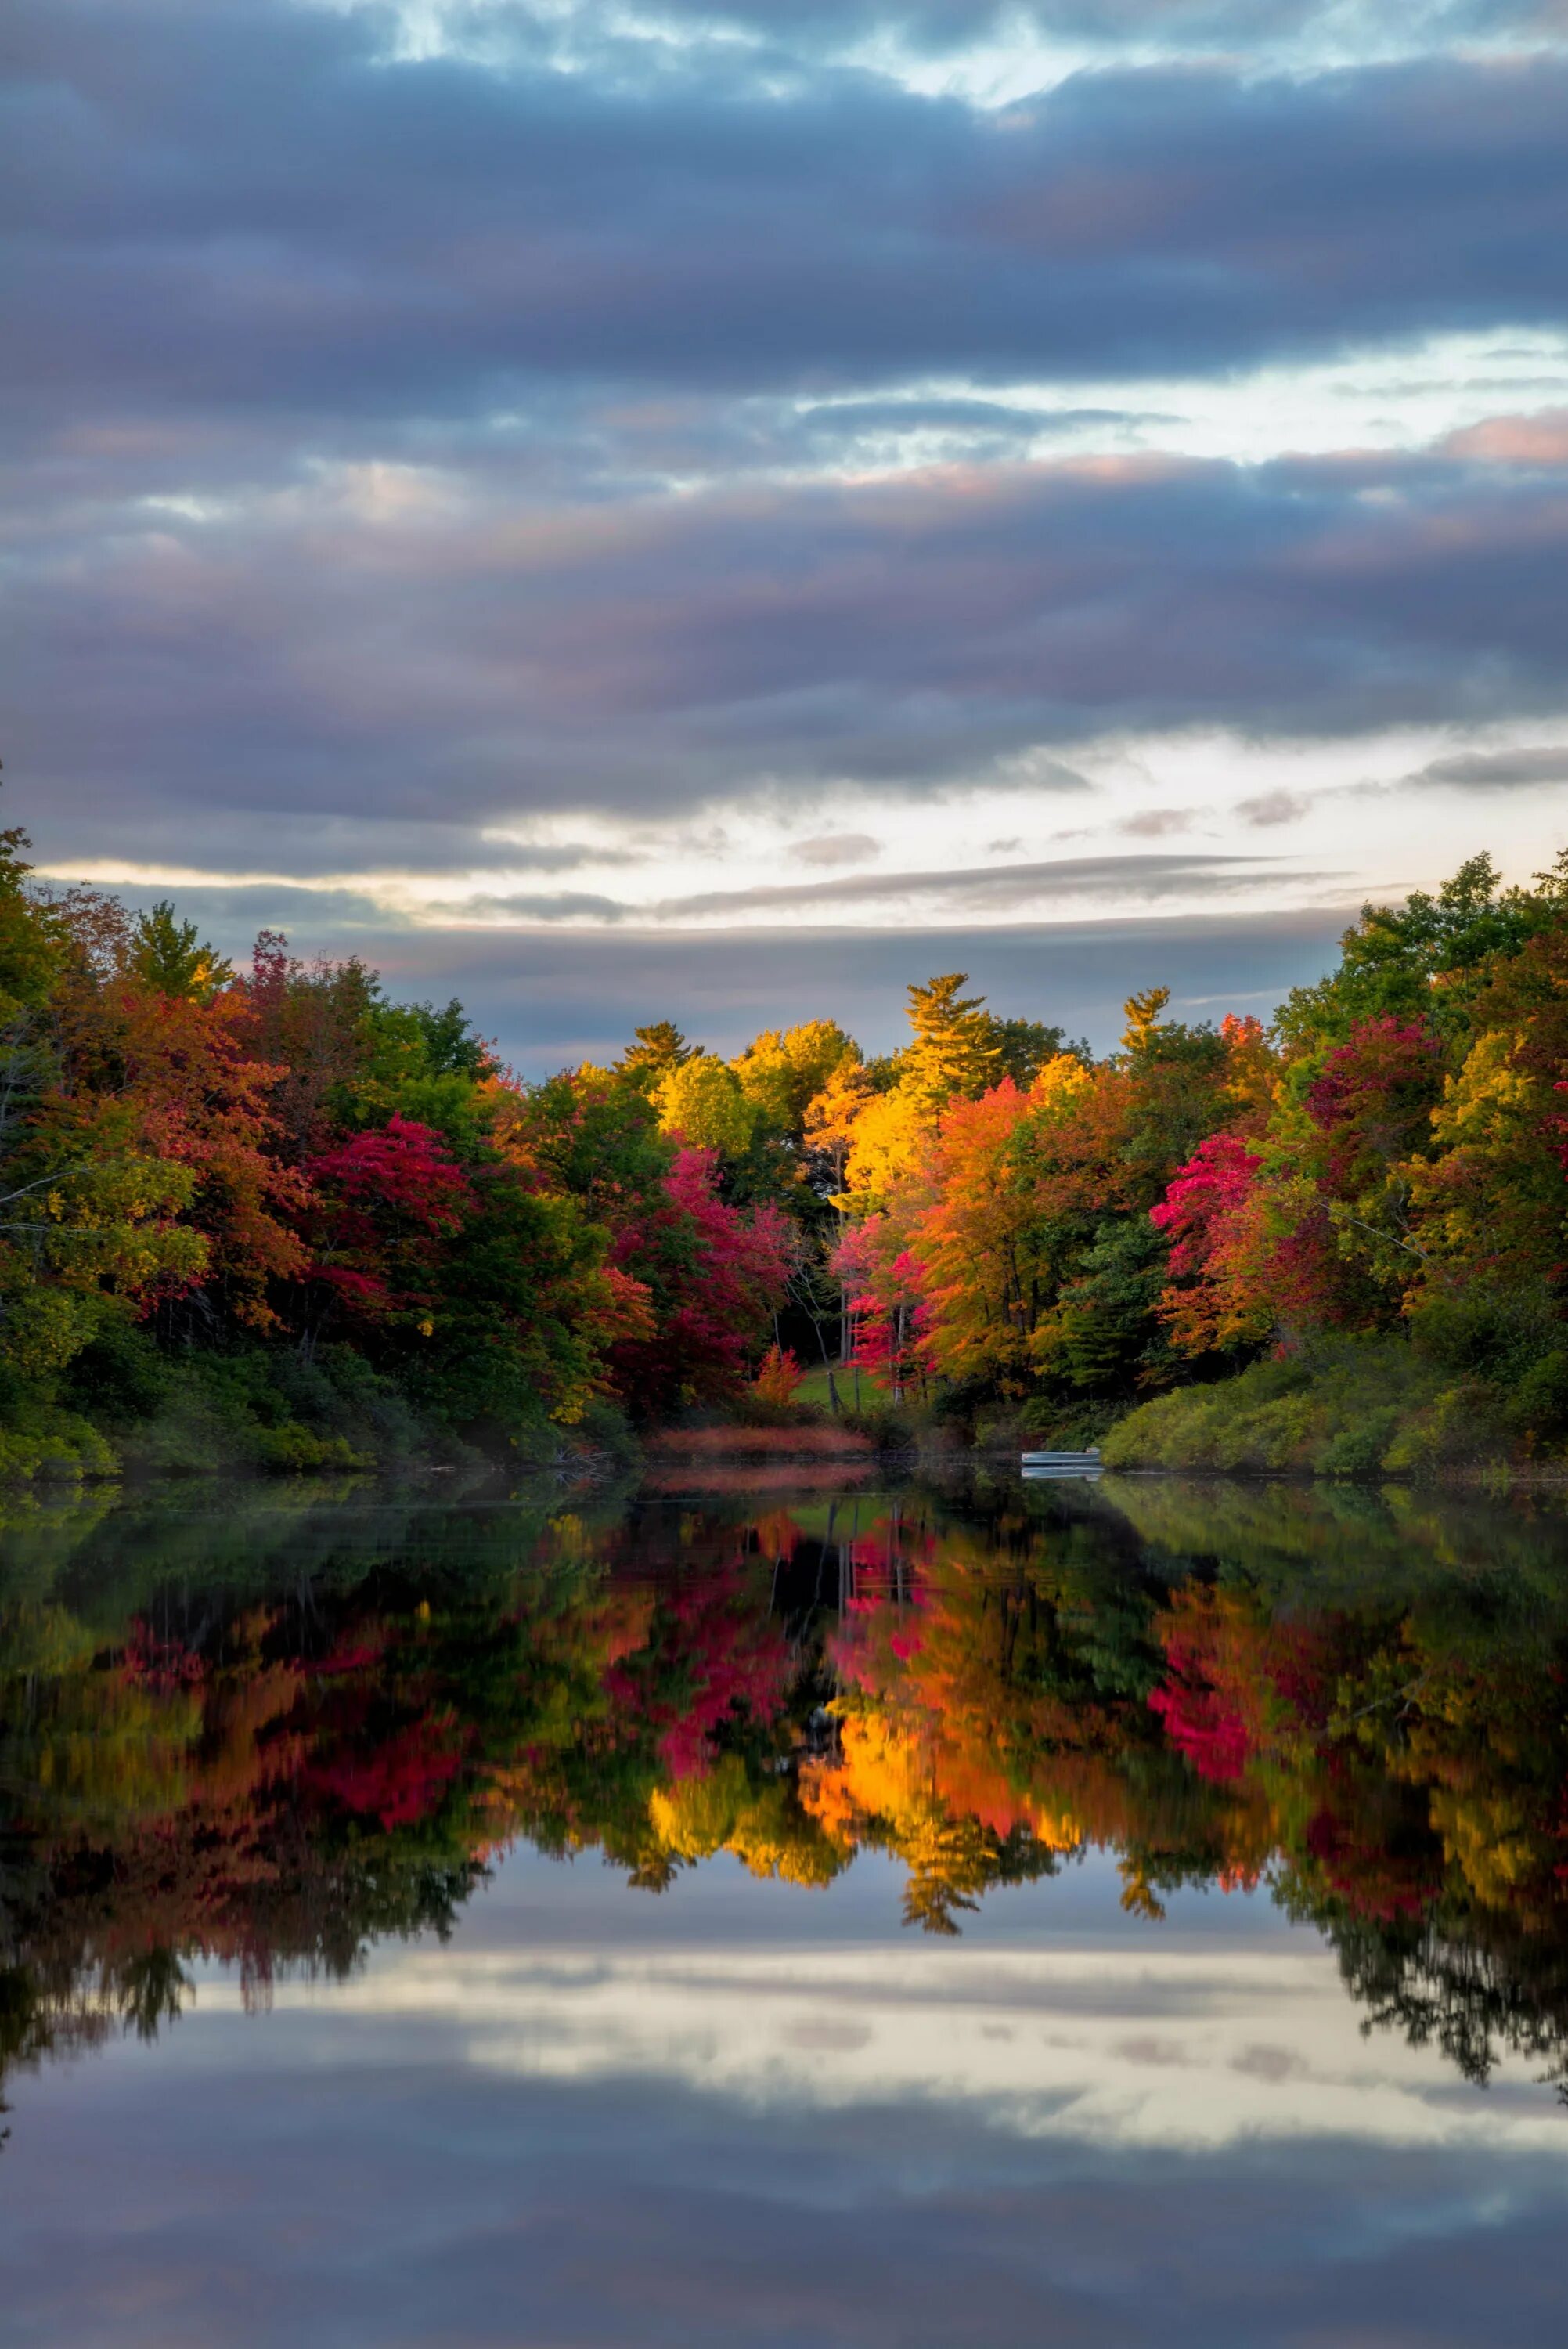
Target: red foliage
{"points": [[159, 1665], [1216, 1181], [890, 1313], [1374, 1880], [388, 1199], [1199, 1721], [178, 1079], [1374, 1096], [717, 1276], [400, 1781]]}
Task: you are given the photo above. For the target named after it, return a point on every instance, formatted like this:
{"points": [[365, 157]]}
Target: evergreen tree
{"points": [[953, 1050]]}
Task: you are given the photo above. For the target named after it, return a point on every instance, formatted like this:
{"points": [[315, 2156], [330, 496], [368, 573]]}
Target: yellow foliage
{"points": [[782, 1073], [890, 1137]]}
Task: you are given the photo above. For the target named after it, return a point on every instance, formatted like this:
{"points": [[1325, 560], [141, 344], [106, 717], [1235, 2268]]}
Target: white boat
{"points": [[1062, 1464]]}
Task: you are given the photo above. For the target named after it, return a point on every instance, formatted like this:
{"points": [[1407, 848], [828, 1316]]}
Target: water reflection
{"points": [[275, 1736]]}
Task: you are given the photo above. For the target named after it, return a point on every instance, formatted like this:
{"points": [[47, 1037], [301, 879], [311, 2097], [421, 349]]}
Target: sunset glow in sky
{"points": [[612, 509]]}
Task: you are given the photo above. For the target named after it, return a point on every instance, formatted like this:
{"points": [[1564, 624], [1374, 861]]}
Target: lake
{"points": [[1103, 1914]]}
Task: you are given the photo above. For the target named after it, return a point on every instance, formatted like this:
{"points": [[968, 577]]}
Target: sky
{"points": [[747, 2111], [720, 507]]}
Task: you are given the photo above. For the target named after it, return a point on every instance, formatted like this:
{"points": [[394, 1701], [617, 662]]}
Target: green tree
{"points": [[953, 1050], [657, 1049], [174, 959], [700, 1102], [1426, 957], [1023, 1046]]}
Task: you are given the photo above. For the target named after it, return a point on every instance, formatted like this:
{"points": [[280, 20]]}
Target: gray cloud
{"points": [[560, 906], [555, 996], [563, 856], [836, 848], [252, 217], [1497, 770], [345, 392], [233, 915], [1268, 808], [209, 689], [1154, 824], [997, 885]]}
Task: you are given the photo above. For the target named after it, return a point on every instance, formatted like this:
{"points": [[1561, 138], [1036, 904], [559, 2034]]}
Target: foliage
{"points": [[224, 1190], [701, 1103], [778, 1377], [989, 1224]]}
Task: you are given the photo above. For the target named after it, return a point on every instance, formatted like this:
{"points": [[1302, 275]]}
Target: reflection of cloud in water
{"points": [[1189, 2049]]}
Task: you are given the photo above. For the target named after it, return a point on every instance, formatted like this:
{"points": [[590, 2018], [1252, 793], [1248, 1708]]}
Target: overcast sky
{"points": [[720, 507]]}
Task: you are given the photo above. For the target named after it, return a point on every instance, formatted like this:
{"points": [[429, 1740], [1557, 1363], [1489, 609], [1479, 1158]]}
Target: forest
{"points": [[267, 1218]]}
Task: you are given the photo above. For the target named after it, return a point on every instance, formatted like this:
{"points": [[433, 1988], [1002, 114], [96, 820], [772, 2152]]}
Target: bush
{"points": [[121, 1377], [1487, 1333], [54, 1444], [295, 1450], [890, 1427], [1371, 1406], [1539, 1403]]}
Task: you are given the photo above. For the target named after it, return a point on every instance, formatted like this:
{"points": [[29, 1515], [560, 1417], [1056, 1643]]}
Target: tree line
{"points": [[271, 1214]]}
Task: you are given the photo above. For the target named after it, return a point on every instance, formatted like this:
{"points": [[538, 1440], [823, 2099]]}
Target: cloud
{"points": [[1534, 441], [402, 445], [558, 906], [334, 239], [613, 2128], [563, 856], [553, 996], [219, 692], [1269, 808], [411, 437], [234, 912], [1153, 823], [836, 848], [996, 884], [1496, 770]]}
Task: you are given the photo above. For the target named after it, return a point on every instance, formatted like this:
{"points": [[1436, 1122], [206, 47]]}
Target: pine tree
{"points": [[954, 1051]]}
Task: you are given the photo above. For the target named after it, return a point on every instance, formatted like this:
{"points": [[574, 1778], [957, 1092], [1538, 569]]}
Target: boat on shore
{"points": [[1062, 1464]]}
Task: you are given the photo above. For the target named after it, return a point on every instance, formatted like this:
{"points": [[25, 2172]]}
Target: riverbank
{"points": [[1355, 1407], [1363, 1408]]}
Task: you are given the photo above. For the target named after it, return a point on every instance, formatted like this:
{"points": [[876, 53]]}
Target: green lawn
{"points": [[813, 1388]]}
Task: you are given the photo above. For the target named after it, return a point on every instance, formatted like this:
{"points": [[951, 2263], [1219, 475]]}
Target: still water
{"points": [[1105, 1915]]}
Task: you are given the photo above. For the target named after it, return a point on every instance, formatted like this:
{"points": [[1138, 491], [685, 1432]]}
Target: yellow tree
{"points": [[972, 1237], [833, 1115], [783, 1071]]}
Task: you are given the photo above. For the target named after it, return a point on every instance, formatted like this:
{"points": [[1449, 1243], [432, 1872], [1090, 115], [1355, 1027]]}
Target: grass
{"points": [[813, 1389]]}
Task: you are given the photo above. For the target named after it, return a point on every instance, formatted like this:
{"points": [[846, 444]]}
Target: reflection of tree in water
{"points": [[320, 1739], [951, 1862], [1474, 1994]]}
